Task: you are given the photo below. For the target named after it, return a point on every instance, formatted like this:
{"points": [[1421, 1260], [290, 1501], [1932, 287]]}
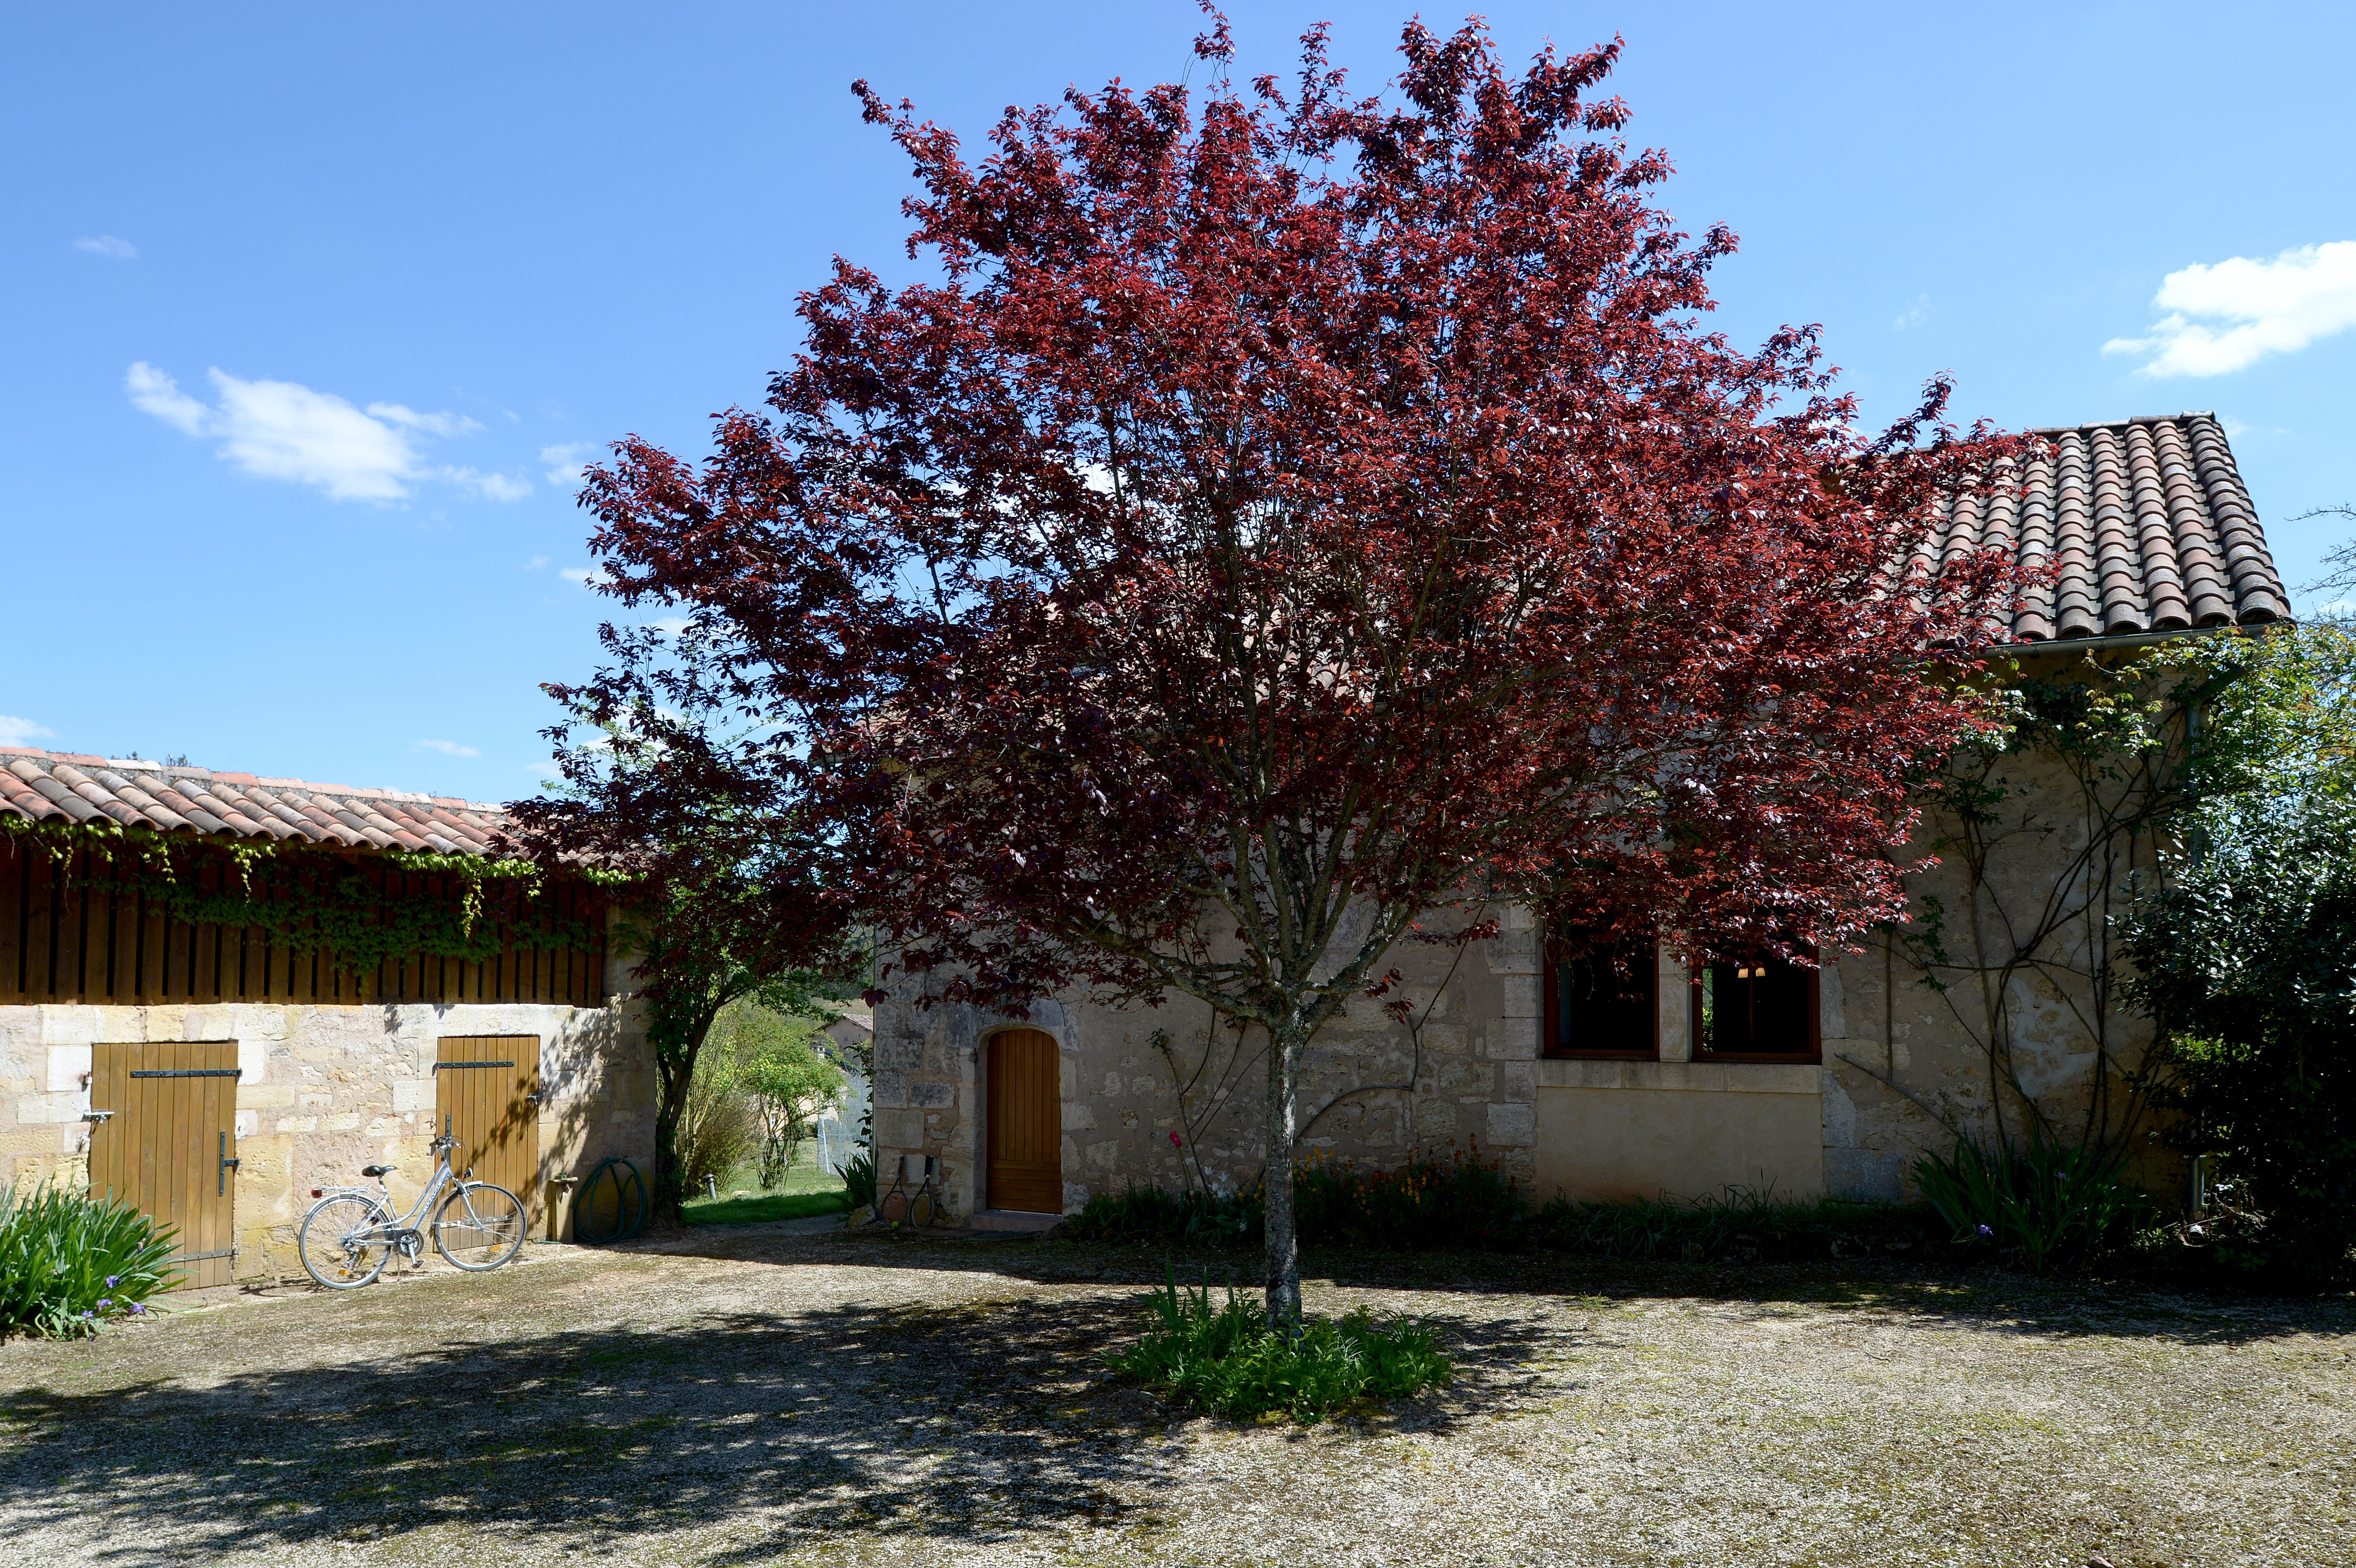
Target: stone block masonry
{"points": [[322, 1090]]}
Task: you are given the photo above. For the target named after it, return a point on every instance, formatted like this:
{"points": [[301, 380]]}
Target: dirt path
{"points": [[797, 1398]]}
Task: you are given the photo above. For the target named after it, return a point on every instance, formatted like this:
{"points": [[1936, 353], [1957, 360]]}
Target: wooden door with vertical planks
{"points": [[1026, 1136], [169, 1149], [486, 1095]]}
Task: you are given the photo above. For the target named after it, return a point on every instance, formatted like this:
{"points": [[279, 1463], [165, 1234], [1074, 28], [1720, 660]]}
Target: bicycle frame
{"points": [[403, 1231]]}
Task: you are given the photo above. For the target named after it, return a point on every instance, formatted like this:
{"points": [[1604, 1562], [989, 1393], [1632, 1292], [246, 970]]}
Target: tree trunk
{"points": [[674, 1075], [1284, 1047]]}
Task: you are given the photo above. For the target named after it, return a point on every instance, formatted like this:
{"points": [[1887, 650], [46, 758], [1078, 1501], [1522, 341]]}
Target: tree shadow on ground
{"points": [[1982, 1297], [964, 1426]]}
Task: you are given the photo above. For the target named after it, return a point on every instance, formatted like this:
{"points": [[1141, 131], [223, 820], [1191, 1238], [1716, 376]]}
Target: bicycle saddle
{"points": [[378, 1169]]}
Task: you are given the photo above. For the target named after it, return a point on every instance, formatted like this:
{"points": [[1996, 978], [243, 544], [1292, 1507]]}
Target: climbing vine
{"points": [[364, 909], [2055, 823]]}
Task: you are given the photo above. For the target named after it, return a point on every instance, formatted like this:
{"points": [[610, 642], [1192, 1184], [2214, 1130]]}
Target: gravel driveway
{"points": [[762, 1395]]}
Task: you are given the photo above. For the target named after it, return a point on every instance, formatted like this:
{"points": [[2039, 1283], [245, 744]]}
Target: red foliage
{"points": [[1294, 520]]}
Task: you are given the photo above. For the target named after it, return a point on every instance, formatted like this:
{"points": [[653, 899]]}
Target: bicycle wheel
{"points": [[331, 1254], [479, 1226]]}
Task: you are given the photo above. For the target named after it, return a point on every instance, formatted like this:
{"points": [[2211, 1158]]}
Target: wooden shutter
{"points": [[170, 1148], [486, 1095]]}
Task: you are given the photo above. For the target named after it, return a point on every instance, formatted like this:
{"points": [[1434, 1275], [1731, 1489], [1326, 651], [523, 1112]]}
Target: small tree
{"points": [[2248, 961], [1301, 527], [790, 1083], [726, 899]]}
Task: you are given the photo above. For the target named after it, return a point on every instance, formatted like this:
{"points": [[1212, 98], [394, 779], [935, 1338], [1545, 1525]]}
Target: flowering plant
{"points": [[70, 1264]]}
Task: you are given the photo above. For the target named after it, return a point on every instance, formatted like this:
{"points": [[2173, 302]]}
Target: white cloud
{"points": [[108, 246], [535, 564], [152, 391], [565, 466], [447, 748], [1914, 314], [283, 430], [2335, 607], [2272, 307], [587, 576], [21, 731], [410, 419], [675, 626], [495, 486]]}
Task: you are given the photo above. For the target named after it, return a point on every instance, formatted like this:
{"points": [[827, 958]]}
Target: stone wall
{"points": [[1901, 1038], [324, 1090]]}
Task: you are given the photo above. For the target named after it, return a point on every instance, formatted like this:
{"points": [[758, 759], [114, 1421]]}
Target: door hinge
{"points": [[186, 1071]]}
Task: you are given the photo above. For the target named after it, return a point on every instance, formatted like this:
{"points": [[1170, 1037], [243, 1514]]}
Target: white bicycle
{"points": [[350, 1234]]}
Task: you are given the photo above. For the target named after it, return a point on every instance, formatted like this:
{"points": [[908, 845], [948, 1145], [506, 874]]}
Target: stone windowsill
{"points": [[1718, 1077]]}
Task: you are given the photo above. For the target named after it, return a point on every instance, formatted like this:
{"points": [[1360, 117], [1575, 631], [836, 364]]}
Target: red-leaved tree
{"points": [[1295, 523]]}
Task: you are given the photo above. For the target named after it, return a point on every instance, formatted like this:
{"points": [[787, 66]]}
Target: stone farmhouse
{"points": [[1713, 1074], [219, 991]]}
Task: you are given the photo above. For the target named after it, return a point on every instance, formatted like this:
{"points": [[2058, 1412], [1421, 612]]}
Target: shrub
{"points": [[1433, 1200], [1227, 1360], [1742, 1225], [70, 1264], [859, 1180], [1139, 1213], [2247, 959], [772, 1060], [718, 1132], [2044, 1205]]}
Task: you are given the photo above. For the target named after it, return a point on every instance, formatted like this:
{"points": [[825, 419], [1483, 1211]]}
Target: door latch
{"points": [[96, 1118], [221, 1176]]}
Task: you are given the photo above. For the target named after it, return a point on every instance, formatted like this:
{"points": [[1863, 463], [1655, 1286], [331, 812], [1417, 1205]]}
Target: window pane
{"points": [[1753, 1007], [1604, 999]]}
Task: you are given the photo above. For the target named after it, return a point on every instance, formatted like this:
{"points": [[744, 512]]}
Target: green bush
{"points": [[1139, 1213], [1227, 1360], [1433, 1200], [2044, 1205], [70, 1264], [2246, 957], [1742, 1225], [859, 1180]]}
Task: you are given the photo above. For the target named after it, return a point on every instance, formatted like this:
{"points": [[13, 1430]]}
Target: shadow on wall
{"points": [[895, 1422]]}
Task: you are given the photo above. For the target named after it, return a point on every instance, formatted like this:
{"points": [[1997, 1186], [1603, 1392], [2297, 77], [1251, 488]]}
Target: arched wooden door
{"points": [[1025, 1168]]}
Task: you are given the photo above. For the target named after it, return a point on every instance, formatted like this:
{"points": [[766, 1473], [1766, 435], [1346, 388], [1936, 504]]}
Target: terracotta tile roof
{"points": [[2145, 524], [63, 785]]}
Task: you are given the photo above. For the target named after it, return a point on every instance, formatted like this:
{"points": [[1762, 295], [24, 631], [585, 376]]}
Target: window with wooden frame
{"points": [[1755, 1009], [1601, 1002]]}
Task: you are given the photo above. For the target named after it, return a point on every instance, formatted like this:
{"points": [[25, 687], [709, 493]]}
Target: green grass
{"points": [[807, 1190], [1227, 1360]]}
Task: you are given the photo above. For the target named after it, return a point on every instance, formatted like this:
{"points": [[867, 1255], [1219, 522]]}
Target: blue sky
{"points": [[308, 312]]}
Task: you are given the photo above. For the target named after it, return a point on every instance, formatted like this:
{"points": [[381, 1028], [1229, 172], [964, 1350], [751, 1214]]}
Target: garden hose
{"points": [[629, 1204]]}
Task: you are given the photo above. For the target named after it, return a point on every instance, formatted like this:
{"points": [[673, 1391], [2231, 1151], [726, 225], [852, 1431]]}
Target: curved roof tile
{"points": [[41, 785], [2144, 524]]}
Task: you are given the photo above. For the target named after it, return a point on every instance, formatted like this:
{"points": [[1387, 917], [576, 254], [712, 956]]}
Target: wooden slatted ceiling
{"points": [[80, 930]]}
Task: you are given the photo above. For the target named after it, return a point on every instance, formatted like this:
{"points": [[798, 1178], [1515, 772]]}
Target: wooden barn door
{"points": [[1025, 1136], [486, 1095], [170, 1148]]}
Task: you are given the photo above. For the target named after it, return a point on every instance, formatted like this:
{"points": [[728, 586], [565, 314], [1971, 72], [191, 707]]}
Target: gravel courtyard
{"points": [[767, 1396]]}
